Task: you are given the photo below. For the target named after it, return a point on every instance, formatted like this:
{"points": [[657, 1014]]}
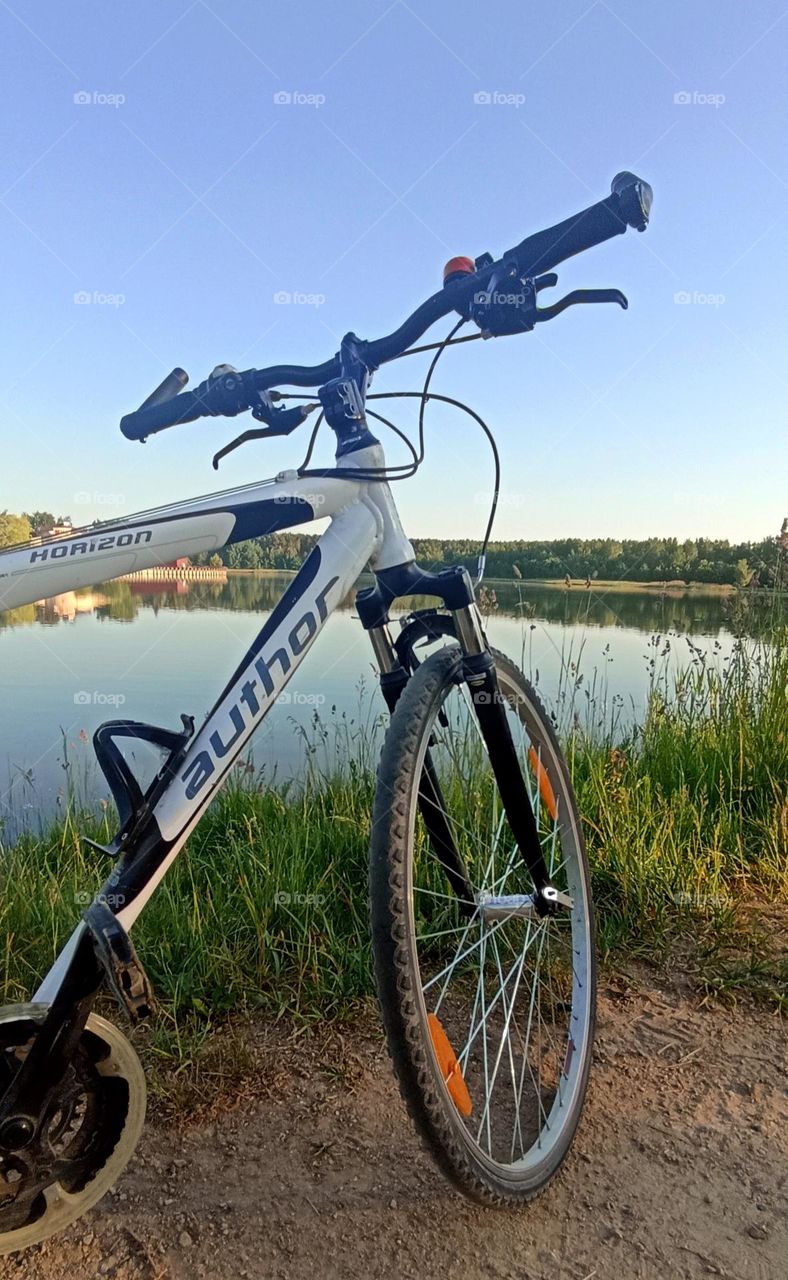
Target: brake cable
{"points": [[405, 470], [459, 404], [399, 471]]}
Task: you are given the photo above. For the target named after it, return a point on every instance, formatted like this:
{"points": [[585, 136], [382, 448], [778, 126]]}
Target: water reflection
{"points": [[647, 610], [151, 650]]}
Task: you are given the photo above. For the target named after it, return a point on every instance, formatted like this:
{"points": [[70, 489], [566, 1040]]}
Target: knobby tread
{"points": [[394, 964]]}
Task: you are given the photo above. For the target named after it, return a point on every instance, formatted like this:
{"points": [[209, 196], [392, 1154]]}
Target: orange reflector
{"points": [[545, 788], [450, 1067]]}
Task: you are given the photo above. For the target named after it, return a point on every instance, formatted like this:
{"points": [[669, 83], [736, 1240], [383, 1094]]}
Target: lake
{"points": [[151, 650]]}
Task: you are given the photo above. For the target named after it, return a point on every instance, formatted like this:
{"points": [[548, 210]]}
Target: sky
{"points": [[170, 170]]}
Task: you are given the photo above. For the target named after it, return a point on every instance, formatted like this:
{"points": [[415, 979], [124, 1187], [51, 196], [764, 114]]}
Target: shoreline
{"points": [[672, 588]]}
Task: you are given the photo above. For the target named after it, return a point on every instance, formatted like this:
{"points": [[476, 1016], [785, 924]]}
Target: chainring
{"points": [[86, 1138]]}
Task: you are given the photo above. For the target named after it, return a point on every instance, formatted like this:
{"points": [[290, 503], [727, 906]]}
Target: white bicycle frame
{"points": [[364, 529]]}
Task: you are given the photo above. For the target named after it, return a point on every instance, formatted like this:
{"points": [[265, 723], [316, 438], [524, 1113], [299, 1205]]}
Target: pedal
{"points": [[125, 975]]}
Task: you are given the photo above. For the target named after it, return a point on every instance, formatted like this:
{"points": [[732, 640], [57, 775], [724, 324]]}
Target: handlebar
{"points": [[628, 205]]}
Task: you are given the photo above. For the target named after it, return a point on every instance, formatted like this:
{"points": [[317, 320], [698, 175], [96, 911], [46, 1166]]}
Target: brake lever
{"points": [[578, 296], [508, 304], [281, 422]]}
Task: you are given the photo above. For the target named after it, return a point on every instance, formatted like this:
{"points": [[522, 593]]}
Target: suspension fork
{"points": [[393, 679], [478, 672]]}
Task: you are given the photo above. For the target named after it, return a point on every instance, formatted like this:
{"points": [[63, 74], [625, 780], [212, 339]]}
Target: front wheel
{"points": [[488, 1006]]}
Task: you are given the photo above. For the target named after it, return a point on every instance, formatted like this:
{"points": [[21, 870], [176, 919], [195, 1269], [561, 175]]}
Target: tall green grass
{"points": [[686, 819]]}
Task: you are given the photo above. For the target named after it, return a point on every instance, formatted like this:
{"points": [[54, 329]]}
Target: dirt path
{"points": [[680, 1170]]}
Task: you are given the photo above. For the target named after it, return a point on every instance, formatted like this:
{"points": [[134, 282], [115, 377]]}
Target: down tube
{"points": [[322, 582]]}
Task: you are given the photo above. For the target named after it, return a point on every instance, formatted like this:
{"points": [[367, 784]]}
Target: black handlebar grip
{"points": [[172, 384], [627, 205], [186, 407]]}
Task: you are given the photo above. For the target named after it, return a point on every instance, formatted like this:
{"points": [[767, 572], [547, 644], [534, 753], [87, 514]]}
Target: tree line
{"points": [[714, 560]]}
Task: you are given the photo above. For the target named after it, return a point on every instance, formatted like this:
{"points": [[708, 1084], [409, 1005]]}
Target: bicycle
{"points": [[481, 913]]}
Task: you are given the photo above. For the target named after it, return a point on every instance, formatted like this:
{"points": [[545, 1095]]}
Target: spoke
{"points": [[504, 1037], [511, 865], [526, 1061], [516, 1127], [471, 836], [433, 893], [485, 1015], [442, 933], [494, 928], [450, 971], [463, 1057], [549, 987]]}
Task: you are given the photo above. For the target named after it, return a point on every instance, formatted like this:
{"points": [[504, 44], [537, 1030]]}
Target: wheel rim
{"points": [[510, 992], [120, 1083]]}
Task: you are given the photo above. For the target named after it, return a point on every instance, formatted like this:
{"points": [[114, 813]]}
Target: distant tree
{"points": [[251, 555], [40, 522], [13, 529], [215, 561]]}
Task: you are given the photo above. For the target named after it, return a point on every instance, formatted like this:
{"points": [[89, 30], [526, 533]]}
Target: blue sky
{"points": [[182, 197]]}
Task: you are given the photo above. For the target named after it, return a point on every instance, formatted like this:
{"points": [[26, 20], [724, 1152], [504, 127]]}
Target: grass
{"points": [[686, 818]]}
